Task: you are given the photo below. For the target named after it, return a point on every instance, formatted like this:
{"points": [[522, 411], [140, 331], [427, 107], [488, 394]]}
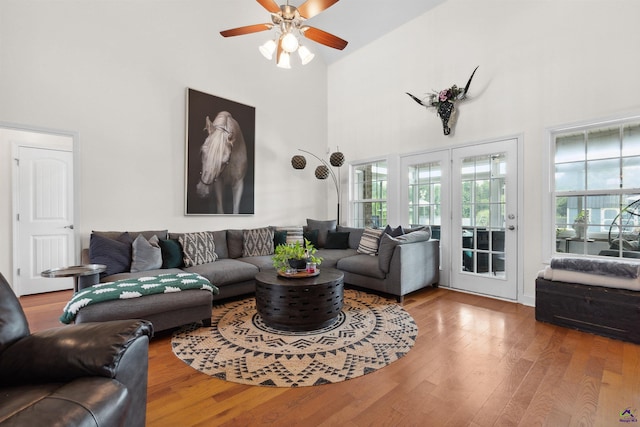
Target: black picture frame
{"points": [[201, 105]]}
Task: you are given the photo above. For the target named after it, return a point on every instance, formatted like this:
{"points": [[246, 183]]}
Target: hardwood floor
{"points": [[477, 362]]}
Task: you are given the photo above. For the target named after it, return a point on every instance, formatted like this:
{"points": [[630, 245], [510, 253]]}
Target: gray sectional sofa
{"points": [[403, 264]]}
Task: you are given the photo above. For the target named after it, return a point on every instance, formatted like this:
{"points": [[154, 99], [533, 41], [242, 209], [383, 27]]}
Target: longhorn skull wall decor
{"points": [[444, 101]]}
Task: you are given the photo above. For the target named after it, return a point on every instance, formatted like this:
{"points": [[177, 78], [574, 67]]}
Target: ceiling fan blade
{"points": [[323, 37], [270, 5], [246, 30], [311, 8]]}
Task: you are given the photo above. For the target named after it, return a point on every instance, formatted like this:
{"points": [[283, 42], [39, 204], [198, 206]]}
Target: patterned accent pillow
{"points": [[294, 233], [257, 242], [197, 248], [370, 241]]}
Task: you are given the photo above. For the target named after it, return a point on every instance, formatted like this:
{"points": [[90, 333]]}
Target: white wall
{"points": [[542, 64], [116, 72]]}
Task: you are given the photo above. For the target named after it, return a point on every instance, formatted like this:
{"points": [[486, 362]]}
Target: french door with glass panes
{"points": [[425, 181], [484, 218]]}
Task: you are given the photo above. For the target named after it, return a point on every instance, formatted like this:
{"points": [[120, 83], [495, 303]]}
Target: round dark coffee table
{"points": [[299, 304]]}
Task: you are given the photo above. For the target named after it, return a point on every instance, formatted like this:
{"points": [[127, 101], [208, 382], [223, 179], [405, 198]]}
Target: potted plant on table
{"points": [[295, 255]]}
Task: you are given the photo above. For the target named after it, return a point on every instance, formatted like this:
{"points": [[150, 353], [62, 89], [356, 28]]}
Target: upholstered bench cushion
{"points": [[165, 311]]}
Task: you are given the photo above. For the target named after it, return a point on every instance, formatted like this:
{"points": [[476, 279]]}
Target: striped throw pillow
{"points": [[294, 233], [370, 241]]}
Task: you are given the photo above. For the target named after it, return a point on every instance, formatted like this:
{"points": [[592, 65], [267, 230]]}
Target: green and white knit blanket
{"points": [[134, 288]]}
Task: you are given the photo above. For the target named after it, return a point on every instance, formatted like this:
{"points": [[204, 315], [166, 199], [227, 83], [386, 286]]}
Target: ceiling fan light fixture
{"points": [[285, 60], [305, 55], [289, 42], [268, 49]]}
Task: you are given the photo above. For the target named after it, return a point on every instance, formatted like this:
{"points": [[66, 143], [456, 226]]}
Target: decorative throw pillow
{"points": [[294, 233], [418, 228], [369, 241], [114, 253], [337, 240], [145, 254], [279, 238], [257, 242], [312, 237], [385, 251], [323, 228], [388, 245], [234, 243], [171, 253], [355, 234], [198, 248], [394, 232]]}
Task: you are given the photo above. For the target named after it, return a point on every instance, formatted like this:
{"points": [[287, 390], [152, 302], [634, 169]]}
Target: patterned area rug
{"points": [[370, 333]]}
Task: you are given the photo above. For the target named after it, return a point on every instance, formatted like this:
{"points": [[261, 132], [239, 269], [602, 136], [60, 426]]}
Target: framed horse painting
{"points": [[220, 156]]}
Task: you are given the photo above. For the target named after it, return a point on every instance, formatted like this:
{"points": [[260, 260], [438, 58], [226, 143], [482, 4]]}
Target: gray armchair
{"points": [[93, 374]]}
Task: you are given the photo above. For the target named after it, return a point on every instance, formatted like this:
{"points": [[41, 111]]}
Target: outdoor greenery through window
{"points": [[369, 195], [597, 190]]}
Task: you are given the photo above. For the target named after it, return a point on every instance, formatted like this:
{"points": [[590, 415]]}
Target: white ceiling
{"points": [[357, 21]]}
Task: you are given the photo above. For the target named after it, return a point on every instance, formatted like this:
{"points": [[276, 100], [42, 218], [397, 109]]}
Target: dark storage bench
{"points": [[610, 312]]}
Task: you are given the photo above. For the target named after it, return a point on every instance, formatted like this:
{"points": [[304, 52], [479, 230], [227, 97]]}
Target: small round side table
{"points": [[90, 274]]}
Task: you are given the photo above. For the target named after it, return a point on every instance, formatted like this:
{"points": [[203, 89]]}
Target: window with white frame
{"points": [[596, 190], [369, 194]]}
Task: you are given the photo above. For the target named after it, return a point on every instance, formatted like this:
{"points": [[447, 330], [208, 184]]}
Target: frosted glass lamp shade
{"points": [[267, 49], [305, 55], [285, 61]]}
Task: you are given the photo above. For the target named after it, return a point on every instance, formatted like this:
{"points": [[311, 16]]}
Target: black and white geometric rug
{"points": [[371, 332]]}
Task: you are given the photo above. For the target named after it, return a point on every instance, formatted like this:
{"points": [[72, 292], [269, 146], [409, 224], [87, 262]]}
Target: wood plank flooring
{"points": [[477, 362]]}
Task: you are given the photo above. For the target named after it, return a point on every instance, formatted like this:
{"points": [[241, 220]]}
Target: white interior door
{"points": [[43, 210], [484, 206]]}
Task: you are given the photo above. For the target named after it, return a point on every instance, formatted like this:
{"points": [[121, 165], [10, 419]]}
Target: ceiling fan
{"points": [[288, 20]]}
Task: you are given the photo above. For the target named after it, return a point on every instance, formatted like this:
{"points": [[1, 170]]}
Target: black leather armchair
{"points": [[92, 374]]}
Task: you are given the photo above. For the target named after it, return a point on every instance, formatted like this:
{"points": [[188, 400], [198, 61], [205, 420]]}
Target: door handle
{"points": [[511, 227], [70, 226]]}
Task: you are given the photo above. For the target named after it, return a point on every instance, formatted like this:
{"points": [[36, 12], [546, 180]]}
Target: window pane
{"points": [[483, 167], [482, 215], [603, 174], [570, 148], [631, 140], [603, 144], [482, 191], [631, 172], [570, 176]]}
